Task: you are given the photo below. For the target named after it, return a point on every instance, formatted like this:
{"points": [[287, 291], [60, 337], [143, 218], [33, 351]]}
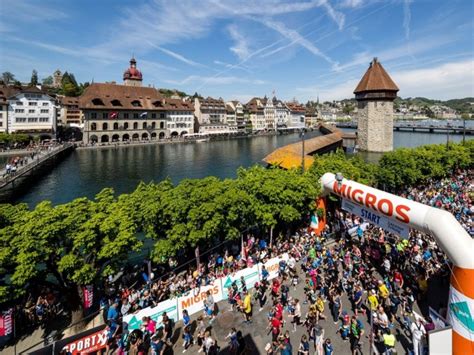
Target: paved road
{"points": [[256, 334]]}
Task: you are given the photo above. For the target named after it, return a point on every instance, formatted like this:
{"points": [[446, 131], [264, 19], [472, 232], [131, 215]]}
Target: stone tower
{"points": [[57, 79], [375, 94], [132, 76]]}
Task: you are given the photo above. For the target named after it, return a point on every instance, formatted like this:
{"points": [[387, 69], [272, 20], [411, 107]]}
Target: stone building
{"points": [[57, 78], [69, 113], [29, 110], [132, 76], [210, 110], [132, 113], [255, 108], [297, 115], [375, 94]]}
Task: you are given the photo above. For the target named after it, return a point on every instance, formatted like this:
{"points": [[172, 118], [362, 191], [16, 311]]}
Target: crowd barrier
{"points": [[193, 301]]}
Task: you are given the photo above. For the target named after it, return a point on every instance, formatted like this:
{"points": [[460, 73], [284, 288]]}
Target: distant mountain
{"points": [[465, 105]]}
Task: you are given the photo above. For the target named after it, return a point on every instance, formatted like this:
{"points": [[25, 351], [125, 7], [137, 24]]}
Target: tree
{"points": [[8, 78], [34, 78], [48, 81], [347, 109]]}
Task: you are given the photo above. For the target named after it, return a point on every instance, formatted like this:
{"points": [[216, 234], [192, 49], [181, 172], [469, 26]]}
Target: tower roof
{"points": [[376, 79]]}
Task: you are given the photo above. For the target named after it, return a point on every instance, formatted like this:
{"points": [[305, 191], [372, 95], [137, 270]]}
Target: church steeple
{"points": [[132, 76]]}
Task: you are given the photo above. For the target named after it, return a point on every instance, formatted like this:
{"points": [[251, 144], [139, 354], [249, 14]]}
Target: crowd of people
{"points": [[368, 282], [35, 151]]}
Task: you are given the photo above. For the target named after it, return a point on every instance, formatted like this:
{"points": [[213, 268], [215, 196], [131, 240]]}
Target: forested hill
{"points": [[465, 105]]}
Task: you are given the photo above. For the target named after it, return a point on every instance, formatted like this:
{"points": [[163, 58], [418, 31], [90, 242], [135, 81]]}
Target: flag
{"points": [[6, 322], [113, 115], [88, 292], [143, 114]]}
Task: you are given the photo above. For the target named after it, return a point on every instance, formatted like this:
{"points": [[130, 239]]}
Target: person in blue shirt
{"points": [[328, 348], [112, 313], [186, 318]]}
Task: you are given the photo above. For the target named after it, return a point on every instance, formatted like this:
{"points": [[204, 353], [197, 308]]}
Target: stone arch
{"points": [[115, 138], [162, 125], [125, 125], [93, 138], [144, 125], [183, 133], [105, 126], [144, 136], [135, 137], [93, 126], [161, 135], [104, 138], [153, 136], [135, 125], [116, 126], [174, 134], [125, 137]]}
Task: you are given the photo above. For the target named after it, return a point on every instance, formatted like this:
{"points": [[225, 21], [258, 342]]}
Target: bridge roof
{"points": [[376, 79]]}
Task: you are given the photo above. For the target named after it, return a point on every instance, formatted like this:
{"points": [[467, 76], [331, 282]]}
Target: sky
{"points": [[301, 49]]}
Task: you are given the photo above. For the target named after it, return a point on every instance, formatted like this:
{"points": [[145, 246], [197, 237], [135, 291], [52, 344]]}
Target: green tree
{"points": [[8, 78], [48, 81], [34, 78]]}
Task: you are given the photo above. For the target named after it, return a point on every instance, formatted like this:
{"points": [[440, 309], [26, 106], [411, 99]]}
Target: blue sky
{"points": [[240, 49]]}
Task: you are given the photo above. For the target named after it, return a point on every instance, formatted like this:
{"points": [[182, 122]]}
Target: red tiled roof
{"points": [[376, 79]]}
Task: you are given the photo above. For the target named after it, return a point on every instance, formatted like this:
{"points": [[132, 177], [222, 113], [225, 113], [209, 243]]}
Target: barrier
{"points": [[170, 306], [193, 302], [251, 276], [273, 264]]}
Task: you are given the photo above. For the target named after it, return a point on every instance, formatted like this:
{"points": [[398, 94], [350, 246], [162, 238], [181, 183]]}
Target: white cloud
{"points": [[352, 3], [241, 46], [336, 16], [295, 37], [406, 17], [30, 11], [177, 56], [215, 80], [444, 81]]}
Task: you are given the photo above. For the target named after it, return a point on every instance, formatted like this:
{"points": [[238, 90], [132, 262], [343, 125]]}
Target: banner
{"points": [[272, 265], [6, 322], [88, 293], [376, 218], [91, 343], [193, 302], [251, 276], [134, 321]]}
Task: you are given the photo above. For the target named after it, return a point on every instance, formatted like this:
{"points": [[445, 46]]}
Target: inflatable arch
{"points": [[448, 233]]}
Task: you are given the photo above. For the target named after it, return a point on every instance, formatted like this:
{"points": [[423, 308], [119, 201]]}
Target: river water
{"points": [[86, 171]]}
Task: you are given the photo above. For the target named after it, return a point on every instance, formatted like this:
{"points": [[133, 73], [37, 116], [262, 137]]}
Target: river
{"points": [[86, 171]]}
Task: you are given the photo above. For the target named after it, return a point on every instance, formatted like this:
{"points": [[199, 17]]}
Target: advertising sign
{"points": [[134, 321], [193, 302], [6, 322], [272, 265], [88, 292], [250, 275], [376, 218], [88, 344]]}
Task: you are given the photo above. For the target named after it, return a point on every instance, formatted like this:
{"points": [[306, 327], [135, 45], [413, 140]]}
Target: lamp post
{"points": [[302, 148], [464, 129]]}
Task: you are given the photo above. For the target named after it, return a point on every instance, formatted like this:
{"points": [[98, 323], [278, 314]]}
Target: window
{"points": [[162, 115], [19, 110], [153, 125], [125, 125], [20, 119], [135, 125], [19, 103], [45, 111], [32, 119], [135, 115], [162, 125], [115, 125], [31, 111], [105, 126], [1, 124], [45, 104], [116, 103], [136, 103], [32, 103], [125, 115], [144, 125], [44, 119], [93, 127], [93, 115], [97, 102], [153, 115], [1, 115], [105, 115]]}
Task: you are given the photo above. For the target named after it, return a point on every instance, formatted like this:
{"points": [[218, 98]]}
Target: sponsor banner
{"points": [[89, 344], [193, 302], [376, 218], [272, 265], [250, 275], [460, 313], [134, 321], [88, 292], [6, 322]]}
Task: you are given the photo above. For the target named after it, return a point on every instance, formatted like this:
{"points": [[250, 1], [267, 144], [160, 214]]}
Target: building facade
{"points": [[3, 110], [29, 110], [115, 113], [239, 111], [281, 113], [297, 115], [69, 112], [255, 108], [210, 110], [375, 94]]}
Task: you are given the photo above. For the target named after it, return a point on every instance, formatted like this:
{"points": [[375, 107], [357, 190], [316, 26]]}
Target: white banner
{"points": [[376, 218], [193, 301], [134, 321], [251, 276], [272, 265]]}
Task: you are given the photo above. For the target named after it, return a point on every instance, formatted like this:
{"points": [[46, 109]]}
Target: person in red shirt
{"points": [[275, 325], [275, 287], [398, 278]]}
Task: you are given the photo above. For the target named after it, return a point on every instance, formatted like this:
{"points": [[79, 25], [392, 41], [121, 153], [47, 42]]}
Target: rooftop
{"points": [[376, 79]]}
